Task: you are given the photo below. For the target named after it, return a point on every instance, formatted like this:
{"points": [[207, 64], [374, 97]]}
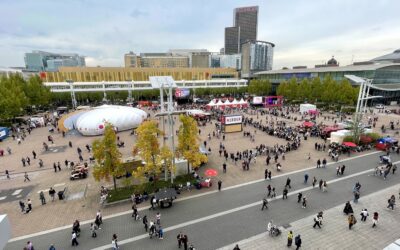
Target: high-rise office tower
{"points": [[244, 28]]}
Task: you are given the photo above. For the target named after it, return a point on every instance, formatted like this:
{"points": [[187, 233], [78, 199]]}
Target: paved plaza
{"points": [[84, 201]]}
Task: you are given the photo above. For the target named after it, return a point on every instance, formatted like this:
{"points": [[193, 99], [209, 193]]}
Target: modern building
{"points": [[245, 21], [256, 56], [47, 61], [385, 76], [199, 59], [389, 58], [155, 60], [98, 74], [233, 61]]}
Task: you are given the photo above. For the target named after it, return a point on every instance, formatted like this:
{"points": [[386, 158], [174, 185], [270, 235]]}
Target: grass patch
{"points": [[124, 193]]}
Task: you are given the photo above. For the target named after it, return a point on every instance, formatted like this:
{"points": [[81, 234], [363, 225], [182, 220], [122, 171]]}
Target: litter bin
{"points": [[61, 195]]}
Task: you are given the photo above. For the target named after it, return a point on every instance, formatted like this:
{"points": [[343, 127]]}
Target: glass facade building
{"points": [[46, 61], [385, 76], [256, 56]]}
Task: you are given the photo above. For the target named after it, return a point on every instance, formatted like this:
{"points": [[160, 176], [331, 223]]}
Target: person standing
{"points": [[285, 192], [26, 177], [59, 166], [273, 195], [364, 214], [93, 228], [318, 163], [42, 198], [297, 241], [186, 239], [22, 206], [269, 190], [342, 170], [351, 220], [158, 218], [160, 233], [324, 163], [337, 170], [356, 196], [7, 174], [23, 162], [55, 167], [375, 219], [219, 185], [224, 167], [34, 154], [305, 178], [391, 202], [52, 193], [265, 203], [270, 175], [289, 239], [266, 174], [348, 209], [74, 239]]}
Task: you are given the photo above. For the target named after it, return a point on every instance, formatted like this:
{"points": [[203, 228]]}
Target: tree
{"points": [[12, 97], [108, 158], [282, 89], [188, 142], [38, 94], [147, 147], [259, 87]]}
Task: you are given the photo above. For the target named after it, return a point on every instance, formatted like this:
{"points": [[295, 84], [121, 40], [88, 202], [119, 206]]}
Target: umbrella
{"points": [[350, 144], [166, 193], [308, 124], [211, 172]]}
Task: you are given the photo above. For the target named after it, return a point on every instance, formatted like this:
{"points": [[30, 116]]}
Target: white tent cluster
{"points": [[234, 104], [92, 121]]}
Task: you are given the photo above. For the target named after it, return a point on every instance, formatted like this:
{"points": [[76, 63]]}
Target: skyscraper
{"points": [[256, 56], [244, 28]]}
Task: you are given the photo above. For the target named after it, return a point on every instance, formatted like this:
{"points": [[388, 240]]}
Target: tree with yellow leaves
{"points": [[108, 157], [148, 148], [188, 142]]}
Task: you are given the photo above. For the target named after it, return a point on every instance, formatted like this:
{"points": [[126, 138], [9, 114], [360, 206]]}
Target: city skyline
{"points": [[305, 32]]}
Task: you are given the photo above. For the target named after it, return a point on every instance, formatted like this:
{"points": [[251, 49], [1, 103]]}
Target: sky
{"points": [[305, 32]]}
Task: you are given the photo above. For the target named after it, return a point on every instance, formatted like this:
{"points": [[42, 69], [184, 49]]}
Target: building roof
{"points": [[330, 69], [389, 57]]}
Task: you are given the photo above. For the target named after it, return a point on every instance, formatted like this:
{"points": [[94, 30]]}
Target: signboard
{"points": [[233, 128], [182, 93], [233, 119], [257, 100], [273, 101]]}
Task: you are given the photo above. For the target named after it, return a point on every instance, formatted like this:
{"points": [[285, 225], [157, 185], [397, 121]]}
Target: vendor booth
{"points": [[232, 123], [307, 108], [386, 143]]}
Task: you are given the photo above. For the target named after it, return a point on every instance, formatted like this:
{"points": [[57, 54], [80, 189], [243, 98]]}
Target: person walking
{"points": [[26, 177], [289, 239], [351, 220], [288, 183], [266, 174], [269, 190], [285, 193], [273, 195], [364, 214], [145, 223], [305, 178], [304, 205], [224, 167], [324, 163], [348, 209], [356, 196], [55, 167], [158, 218], [375, 219], [34, 154], [235, 248], [337, 170], [93, 229], [219, 185], [160, 233], [28, 160], [23, 162], [180, 239], [324, 187], [321, 182], [318, 220], [318, 163], [59, 166], [74, 239], [42, 198], [265, 203], [314, 181], [114, 242], [7, 174], [299, 196], [270, 175], [297, 241], [342, 169], [22, 206], [391, 202]]}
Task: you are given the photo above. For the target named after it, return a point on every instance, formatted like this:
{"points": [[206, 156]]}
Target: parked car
{"points": [[380, 106]]}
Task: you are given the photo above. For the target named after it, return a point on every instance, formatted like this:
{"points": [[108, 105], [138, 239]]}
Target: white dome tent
{"points": [[92, 122]]}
